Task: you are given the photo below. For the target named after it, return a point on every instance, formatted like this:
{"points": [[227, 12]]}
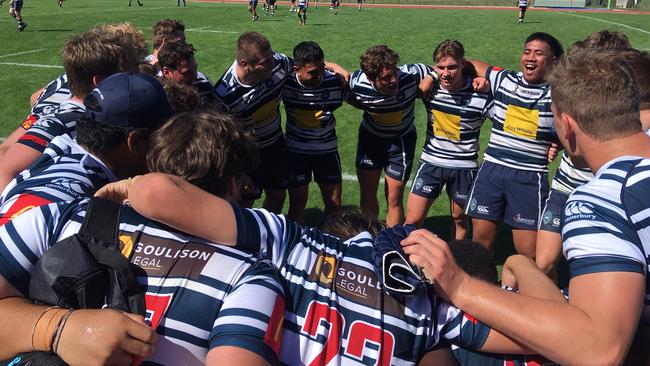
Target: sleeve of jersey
{"points": [[494, 75], [285, 62], [252, 314], [42, 132], [23, 241], [265, 233], [597, 239], [420, 71], [460, 328]]}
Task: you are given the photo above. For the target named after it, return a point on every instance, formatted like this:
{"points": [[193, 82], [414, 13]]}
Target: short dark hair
{"points": [[206, 148], [171, 54], [376, 59], [307, 52], [474, 259], [348, 221], [99, 139], [640, 62], [584, 83], [552, 42]]}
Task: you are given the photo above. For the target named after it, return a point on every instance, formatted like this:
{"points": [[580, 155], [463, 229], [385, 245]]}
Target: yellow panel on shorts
{"points": [[387, 119], [446, 125], [306, 118], [521, 122], [266, 113]]}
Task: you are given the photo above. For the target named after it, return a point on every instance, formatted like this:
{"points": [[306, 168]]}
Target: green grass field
{"points": [[31, 59]]}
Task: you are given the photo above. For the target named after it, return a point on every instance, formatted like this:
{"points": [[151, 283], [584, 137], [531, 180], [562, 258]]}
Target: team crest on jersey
{"points": [[472, 204], [576, 210], [418, 183], [548, 216], [324, 270], [29, 121]]}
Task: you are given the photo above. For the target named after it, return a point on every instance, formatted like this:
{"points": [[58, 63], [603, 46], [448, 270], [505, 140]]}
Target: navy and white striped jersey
{"points": [[62, 121], [337, 310], [521, 121], [256, 106], [53, 95], [522, 3], [65, 172], [389, 116], [310, 127], [199, 295], [607, 222], [454, 126], [568, 177]]}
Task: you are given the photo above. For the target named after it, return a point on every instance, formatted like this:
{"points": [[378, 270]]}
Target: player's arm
{"points": [[605, 306], [17, 158], [521, 273], [427, 84], [480, 68], [195, 210], [10, 140], [34, 97], [338, 69]]}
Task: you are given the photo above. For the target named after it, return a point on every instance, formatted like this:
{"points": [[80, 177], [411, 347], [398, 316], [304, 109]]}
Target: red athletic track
{"points": [[413, 6]]}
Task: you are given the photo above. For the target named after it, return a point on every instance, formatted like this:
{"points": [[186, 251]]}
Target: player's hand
{"points": [[117, 191], [105, 337], [481, 84], [434, 257], [552, 152]]}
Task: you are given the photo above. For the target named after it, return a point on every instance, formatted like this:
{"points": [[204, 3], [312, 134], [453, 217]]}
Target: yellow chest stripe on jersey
{"points": [[387, 118], [521, 122], [446, 125]]}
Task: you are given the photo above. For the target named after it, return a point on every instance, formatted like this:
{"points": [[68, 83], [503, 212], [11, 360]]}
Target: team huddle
{"points": [[226, 283]]}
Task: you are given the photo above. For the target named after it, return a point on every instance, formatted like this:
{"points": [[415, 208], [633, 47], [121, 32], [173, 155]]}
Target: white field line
{"points": [[195, 29], [210, 31], [144, 8], [21, 53], [607, 21], [32, 65]]}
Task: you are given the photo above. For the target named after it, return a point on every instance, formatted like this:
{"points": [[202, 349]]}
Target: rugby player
{"points": [[310, 95], [302, 11], [250, 90], [15, 8], [338, 311], [165, 30], [386, 93], [605, 233], [176, 61], [512, 182], [568, 177], [139, 3], [455, 112], [87, 59], [252, 8], [198, 294], [522, 5]]}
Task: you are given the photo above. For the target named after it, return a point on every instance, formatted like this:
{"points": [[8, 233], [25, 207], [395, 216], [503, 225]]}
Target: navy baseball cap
{"points": [[128, 100]]}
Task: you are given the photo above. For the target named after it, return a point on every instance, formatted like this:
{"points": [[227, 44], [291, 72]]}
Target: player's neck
{"points": [[600, 153]]}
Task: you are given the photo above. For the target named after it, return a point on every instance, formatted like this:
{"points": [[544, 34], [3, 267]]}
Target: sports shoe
{"points": [[255, 17], [520, 21], [22, 26]]}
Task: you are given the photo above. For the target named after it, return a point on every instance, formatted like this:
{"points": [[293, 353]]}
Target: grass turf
{"points": [[31, 58]]}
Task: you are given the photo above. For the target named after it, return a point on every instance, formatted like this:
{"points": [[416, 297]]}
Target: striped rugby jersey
{"points": [[198, 294], [607, 222], [521, 121], [389, 116], [454, 126], [522, 3], [255, 106], [568, 177], [55, 93], [310, 127], [65, 172], [62, 121], [337, 311]]}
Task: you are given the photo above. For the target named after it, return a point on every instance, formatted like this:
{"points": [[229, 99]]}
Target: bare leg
{"points": [[484, 232], [274, 200], [547, 251], [394, 190], [331, 196], [297, 202], [417, 208], [368, 184], [525, 241], [459, 221]]}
